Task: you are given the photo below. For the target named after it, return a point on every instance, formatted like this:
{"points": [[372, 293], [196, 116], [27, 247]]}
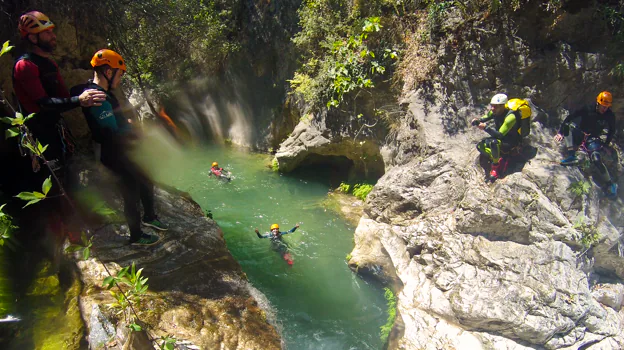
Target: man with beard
{"points": [[40, 89]]}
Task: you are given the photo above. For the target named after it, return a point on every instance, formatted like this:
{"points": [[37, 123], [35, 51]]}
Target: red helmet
{"points": [[33, 22], [605, 99]]}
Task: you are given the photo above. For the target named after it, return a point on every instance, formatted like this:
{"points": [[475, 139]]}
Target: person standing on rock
{"points": [[110, 128], [504, 135], [276, 240], [40, 89], [586, 126]]}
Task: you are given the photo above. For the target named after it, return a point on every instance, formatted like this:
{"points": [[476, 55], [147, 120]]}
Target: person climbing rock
{"points": [[504, 135], [110, 128], [586, 126], [277, 243]]}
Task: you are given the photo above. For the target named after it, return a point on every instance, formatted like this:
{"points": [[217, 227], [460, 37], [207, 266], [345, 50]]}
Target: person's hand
{"points": [[481, 126], [256, 231], [474, 122], [558, 138], [297, 225], [92, 97]]}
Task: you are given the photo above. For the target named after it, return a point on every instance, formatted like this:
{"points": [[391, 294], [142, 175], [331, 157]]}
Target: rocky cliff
{"points": [[496, 266], [523, 263]]}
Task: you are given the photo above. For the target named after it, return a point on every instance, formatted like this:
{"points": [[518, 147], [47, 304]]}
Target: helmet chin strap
{"points": [[110, 81]]}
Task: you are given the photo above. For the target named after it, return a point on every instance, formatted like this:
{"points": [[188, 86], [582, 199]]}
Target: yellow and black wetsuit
{"points": [[504, 135]]}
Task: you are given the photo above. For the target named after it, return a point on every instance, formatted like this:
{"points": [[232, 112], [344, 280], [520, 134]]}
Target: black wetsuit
{"points": [[110, 127]]}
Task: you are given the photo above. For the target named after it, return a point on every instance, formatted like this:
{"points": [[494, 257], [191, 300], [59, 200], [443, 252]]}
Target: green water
{"points": [[319, 302]]}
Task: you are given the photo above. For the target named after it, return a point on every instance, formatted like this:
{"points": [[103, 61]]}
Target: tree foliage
{"points": [[343, 51]]}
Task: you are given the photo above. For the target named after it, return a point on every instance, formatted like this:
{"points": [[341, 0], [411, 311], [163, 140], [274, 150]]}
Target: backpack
{"points": [[517, 104]]}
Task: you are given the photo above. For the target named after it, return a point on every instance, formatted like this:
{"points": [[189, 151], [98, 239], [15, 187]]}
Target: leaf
{"points": [[86, 253], [11, 132], [135, 327], [7, 120], [31, 202], [41, 148], [5, 48], [47, 185], [18, 120], [26, 196], [30, 116], [108, 282], [73, 248]]}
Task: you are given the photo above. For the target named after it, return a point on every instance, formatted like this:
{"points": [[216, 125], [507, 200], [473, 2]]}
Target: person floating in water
{"points": [[276, 241], [219, 172]]}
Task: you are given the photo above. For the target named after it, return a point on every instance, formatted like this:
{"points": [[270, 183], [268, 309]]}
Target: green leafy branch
{"points": [[360, 191], [589, 233], [34, 197], [580, 188], [125, 302], [391, 303], [85, 247], [6, 228], [351, 59], [168, 343]]}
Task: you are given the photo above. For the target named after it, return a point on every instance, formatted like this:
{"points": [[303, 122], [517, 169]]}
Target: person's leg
{"points": [[594, 146], [573, 137], [130, 194], [146, 189], [489, 148]]}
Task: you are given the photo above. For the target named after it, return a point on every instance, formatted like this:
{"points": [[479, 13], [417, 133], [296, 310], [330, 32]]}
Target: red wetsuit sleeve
{"points": [[28, 86]]}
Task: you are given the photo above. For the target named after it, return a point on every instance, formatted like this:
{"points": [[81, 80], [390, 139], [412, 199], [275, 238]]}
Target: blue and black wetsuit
{"points": [[110, 127], [275, 237], [587, 124]]}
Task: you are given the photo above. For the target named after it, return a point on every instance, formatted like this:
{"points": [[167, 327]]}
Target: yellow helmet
{"points": [[274, 226], [108, 57], [215, 164], [33, 22], [605, 99]]}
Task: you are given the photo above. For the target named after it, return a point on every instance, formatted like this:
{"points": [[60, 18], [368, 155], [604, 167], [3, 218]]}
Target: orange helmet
{"points": [[33, 22], [274, 226], [605, 99], [108, 57], [215, 164]]}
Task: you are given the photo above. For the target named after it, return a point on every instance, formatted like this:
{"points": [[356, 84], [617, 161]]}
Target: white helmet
{"points": [[499, 99]]}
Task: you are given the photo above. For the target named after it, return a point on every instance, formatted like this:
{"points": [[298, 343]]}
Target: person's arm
{"points": [[27, 76], [575, 114], [290, 231], [266, 235], [510, 121], [486, 117]]}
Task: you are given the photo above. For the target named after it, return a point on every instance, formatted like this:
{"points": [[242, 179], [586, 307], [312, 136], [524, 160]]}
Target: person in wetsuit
{"points": [[218, 172], [276, 241], [504, 135], [111, 128], [40, 89], [588, 124]]}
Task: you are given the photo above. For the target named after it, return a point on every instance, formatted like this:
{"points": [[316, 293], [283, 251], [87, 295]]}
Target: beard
{"points": [[47, 46]]}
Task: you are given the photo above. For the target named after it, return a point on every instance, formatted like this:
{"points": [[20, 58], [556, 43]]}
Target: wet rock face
{"points": [[197, 291], [493, 266]]}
